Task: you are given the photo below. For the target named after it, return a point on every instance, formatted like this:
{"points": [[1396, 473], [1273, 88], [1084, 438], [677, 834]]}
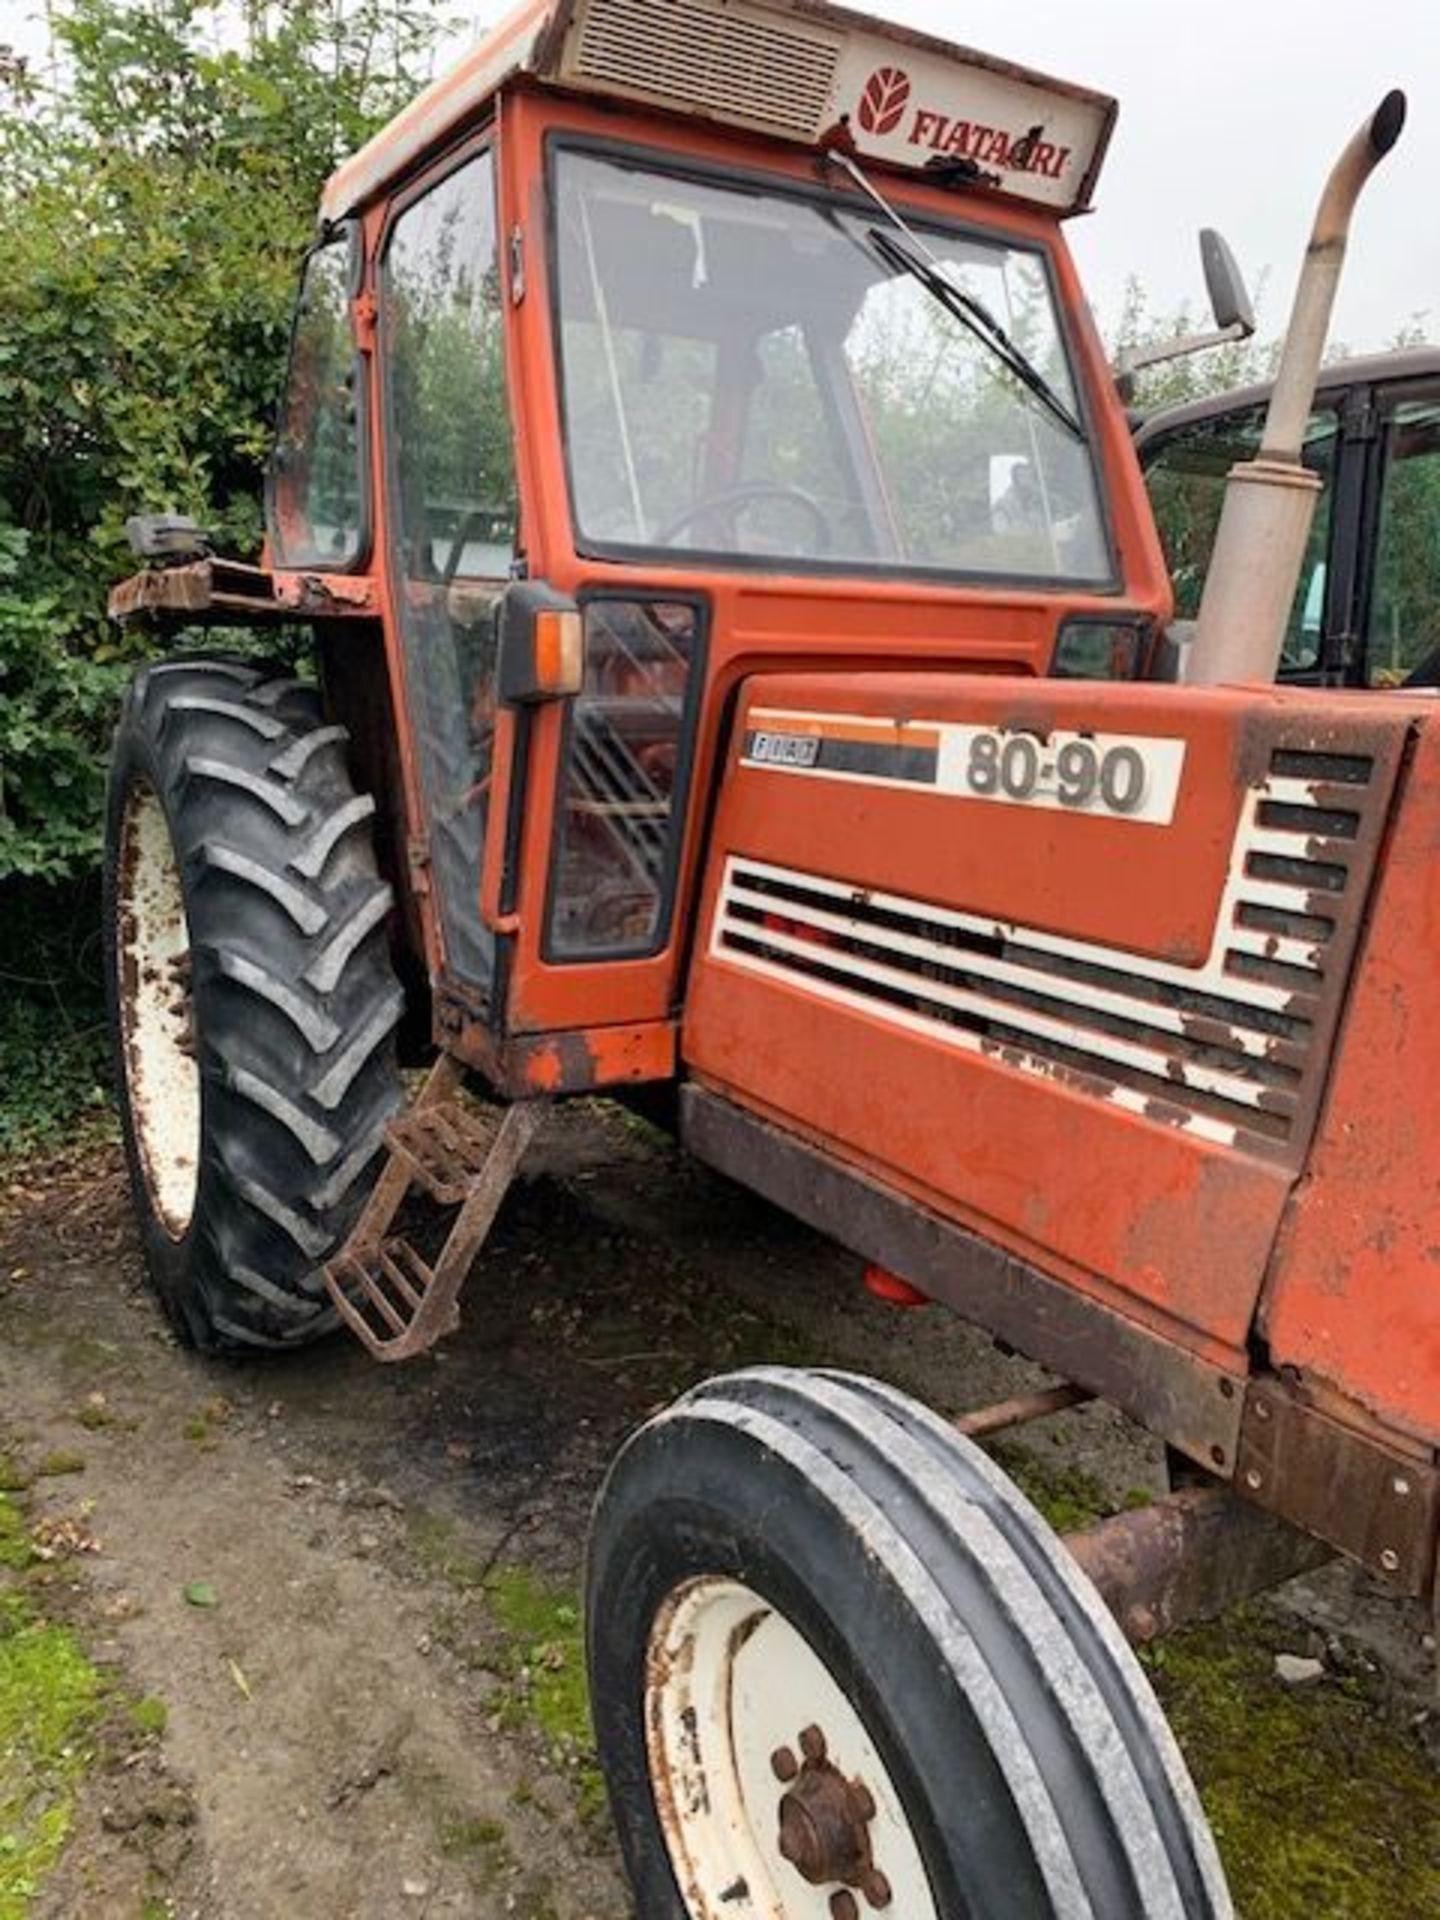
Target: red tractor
{"points": [[735, 611]]}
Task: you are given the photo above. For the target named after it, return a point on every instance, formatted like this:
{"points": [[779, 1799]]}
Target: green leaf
{"points": [[201, 1593]]}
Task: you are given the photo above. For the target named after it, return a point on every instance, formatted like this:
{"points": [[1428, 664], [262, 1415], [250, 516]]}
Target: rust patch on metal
{"points": [[1368, 1499], [1189, 1557], [393, 1300], [326, 593], [244, 594], [1020, 1411], [825, 1824]]}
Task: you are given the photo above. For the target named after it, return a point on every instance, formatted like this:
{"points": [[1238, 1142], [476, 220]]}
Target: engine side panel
{"points": [[1355, 1292], [1097, 1033]]}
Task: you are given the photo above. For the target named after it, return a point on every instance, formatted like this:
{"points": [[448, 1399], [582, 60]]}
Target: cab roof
{"points": [[791, 69]]}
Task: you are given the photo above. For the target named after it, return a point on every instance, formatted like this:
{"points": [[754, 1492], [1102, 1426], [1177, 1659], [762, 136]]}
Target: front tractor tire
{"points": [[840, 1668], [252, 1000]]}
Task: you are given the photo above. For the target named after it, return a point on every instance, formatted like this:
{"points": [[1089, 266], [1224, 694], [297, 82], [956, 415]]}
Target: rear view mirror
{"points": [[1229, 300], [1234, 317]]}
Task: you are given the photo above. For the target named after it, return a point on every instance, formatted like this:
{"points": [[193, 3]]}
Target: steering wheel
{"points": [[473, 522], [733, 498]]}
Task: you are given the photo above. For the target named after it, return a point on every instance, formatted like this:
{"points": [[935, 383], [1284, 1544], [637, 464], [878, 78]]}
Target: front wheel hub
{"points": [[766, 1775], [825, 1824]]}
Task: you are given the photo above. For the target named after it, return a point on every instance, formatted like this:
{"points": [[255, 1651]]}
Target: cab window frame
{"points": [[1383, 401], [474, 953]]}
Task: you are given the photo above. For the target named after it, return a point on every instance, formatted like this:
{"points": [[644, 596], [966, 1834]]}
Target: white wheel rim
{"points": [[731, 1684], [161, 1072]]}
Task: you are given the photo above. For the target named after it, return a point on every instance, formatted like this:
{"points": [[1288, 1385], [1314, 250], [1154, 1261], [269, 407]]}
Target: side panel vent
{"points": [[1233, 1051], [716, 58]]}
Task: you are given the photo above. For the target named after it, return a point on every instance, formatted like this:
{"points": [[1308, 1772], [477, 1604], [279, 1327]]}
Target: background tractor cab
{"points": [[1367, 605]]}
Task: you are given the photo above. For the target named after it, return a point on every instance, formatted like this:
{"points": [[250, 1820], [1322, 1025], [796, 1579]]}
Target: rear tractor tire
{"points": [[252, 999], [841, 1668]]}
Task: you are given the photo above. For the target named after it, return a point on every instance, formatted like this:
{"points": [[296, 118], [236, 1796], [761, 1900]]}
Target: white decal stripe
{"points": [[789, 716], [1212, 977], [961, 1038], [1154, 1014], [1289, 792], [1090, 1040], [1292, 845], [1148, 792]]}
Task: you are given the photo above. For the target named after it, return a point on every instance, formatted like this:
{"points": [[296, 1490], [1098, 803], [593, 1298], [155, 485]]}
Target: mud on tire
{"points": [[252, 999]]}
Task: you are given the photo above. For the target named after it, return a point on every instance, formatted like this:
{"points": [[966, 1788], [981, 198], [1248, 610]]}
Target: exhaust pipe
{"points": [[1270, 500]]}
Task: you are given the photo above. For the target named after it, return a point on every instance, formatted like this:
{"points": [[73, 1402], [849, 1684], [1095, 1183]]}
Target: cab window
{"points": [[1185, 472], [314, 497], [1404, 628], [756, 376]]}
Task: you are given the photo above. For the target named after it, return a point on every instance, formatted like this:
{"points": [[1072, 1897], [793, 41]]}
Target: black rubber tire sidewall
{"points": [[741, 1515]]}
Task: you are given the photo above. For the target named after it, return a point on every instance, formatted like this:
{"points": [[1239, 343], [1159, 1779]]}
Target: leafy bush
{"points": [[155, 201], [157, 193]]}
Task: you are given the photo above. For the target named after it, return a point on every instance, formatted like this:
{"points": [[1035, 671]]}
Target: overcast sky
{"points": [[1230, 114]]}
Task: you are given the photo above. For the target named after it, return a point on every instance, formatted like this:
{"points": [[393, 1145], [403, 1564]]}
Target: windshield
{"points": [[749, 374]]}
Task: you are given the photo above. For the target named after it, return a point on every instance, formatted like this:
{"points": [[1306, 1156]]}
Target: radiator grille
{"points": [[714, 57], [1230, 1050]]}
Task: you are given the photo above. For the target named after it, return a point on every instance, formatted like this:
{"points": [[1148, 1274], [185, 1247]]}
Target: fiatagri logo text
{"points": [[885, 105]]}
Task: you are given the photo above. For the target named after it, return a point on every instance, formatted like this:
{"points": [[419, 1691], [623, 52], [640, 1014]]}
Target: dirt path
{"points": [[382, 1711]]}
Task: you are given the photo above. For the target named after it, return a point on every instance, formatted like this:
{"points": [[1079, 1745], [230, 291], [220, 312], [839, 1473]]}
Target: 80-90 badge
{"points": [[1119, 776]]}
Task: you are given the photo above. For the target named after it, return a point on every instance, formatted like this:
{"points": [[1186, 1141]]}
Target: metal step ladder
{"points": [[463, 1156]]}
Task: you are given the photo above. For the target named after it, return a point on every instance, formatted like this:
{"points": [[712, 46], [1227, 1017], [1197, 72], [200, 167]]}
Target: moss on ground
{"points": [[14, 1535], [546, 1681], [60, 1461], [49, 1702], [1320, 1808], [1068, 1497], [150, 1715]]}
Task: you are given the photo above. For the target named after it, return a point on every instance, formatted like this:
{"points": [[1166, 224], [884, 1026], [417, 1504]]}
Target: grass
{"points": [[50, 1698], [1320, 1807]]}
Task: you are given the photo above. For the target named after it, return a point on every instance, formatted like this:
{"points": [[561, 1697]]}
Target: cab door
{"points": [[450, 516]]}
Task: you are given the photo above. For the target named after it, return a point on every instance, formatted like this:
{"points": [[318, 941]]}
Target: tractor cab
{"points": [[762, 341]]}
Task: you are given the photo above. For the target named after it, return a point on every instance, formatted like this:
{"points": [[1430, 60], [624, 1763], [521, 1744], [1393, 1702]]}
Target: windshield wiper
{"points": [[923, 265], [974, 315]]}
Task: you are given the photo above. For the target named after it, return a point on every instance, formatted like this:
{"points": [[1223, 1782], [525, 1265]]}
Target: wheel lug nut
{"points": [[812, 1745], [863, 1801], [843, 1907], [783, 1764], [876, 1889]]}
